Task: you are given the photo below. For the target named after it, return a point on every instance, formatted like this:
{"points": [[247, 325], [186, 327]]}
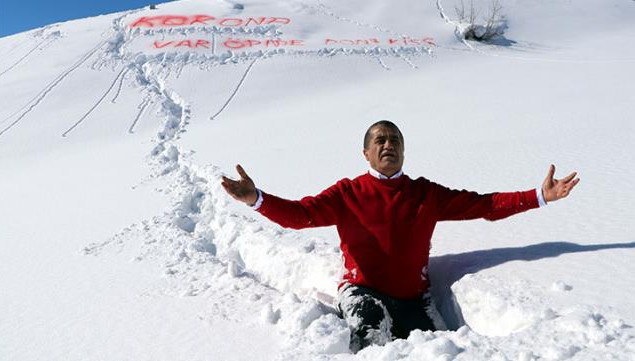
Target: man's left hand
{"points": [[554, 189]]}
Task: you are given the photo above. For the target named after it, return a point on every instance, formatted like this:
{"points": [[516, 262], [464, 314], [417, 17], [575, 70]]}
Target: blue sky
{"points": [[21, 15]]}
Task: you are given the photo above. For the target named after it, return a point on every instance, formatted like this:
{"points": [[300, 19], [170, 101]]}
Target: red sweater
{"points": [[385, 225]]}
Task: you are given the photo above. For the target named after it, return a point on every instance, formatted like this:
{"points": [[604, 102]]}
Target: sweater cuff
{"points": [[541, 199], [258, 201]]}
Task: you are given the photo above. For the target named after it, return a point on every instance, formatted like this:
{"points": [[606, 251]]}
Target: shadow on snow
{"points": [[447, 269]]}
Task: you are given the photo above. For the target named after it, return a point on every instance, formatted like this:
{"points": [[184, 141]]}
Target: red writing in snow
{"points": [[233, 43], [375, 41], [269, 43], [229, 43], [187, 20], [183, 43], [372, 41]]}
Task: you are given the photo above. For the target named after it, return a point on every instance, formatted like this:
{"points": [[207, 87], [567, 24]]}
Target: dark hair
{"points": [[381, 123]]}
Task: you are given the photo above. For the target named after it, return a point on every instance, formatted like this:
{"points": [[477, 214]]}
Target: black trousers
{"points": [[375, 318]]}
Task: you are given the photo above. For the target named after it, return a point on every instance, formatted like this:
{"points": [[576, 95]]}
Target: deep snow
{"points": [[117, 241]]}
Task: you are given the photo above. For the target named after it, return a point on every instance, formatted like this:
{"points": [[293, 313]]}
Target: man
{"points": [[385, 222]]}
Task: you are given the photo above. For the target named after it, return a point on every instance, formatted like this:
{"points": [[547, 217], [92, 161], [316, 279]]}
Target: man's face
{"points": [[385, 151]]}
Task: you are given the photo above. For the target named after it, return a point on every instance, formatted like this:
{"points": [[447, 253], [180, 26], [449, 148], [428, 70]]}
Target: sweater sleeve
{"points": [[456, 205], [313, 211]]}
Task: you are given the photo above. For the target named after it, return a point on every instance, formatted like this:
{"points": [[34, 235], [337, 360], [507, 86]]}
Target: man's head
{"points": [[384, 147]]}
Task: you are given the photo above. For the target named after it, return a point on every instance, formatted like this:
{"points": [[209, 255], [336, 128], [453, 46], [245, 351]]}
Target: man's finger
{"points": [[241, 172], [566, 188], [228, 181], [232, 190], [569, 177], [551, 172], [228, 188]]}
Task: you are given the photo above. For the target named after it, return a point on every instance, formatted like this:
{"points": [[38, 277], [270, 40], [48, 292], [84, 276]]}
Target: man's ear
{"points": [[365, 153]]}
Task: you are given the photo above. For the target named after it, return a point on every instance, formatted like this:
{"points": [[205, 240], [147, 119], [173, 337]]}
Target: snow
{"points": [[118, 242]]}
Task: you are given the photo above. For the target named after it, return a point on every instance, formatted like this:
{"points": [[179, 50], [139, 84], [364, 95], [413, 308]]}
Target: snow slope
{"points": [[117, 241]]}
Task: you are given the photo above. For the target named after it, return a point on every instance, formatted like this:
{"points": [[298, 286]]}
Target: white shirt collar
{"points": [[378, 175]]}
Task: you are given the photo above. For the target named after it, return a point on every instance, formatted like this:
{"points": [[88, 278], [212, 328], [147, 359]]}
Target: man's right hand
{"points": [[243, 190]]}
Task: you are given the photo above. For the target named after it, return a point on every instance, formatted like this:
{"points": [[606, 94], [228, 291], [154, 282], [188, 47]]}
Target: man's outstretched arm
{"points": [[463, 205], [318, 211]]}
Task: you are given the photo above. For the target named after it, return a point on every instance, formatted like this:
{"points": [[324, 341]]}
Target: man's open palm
{"points": [[554, 189], [243, 190]]}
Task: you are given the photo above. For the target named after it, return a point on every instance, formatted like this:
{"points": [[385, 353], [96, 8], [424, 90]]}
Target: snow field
{"points": [[206, 277]]}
